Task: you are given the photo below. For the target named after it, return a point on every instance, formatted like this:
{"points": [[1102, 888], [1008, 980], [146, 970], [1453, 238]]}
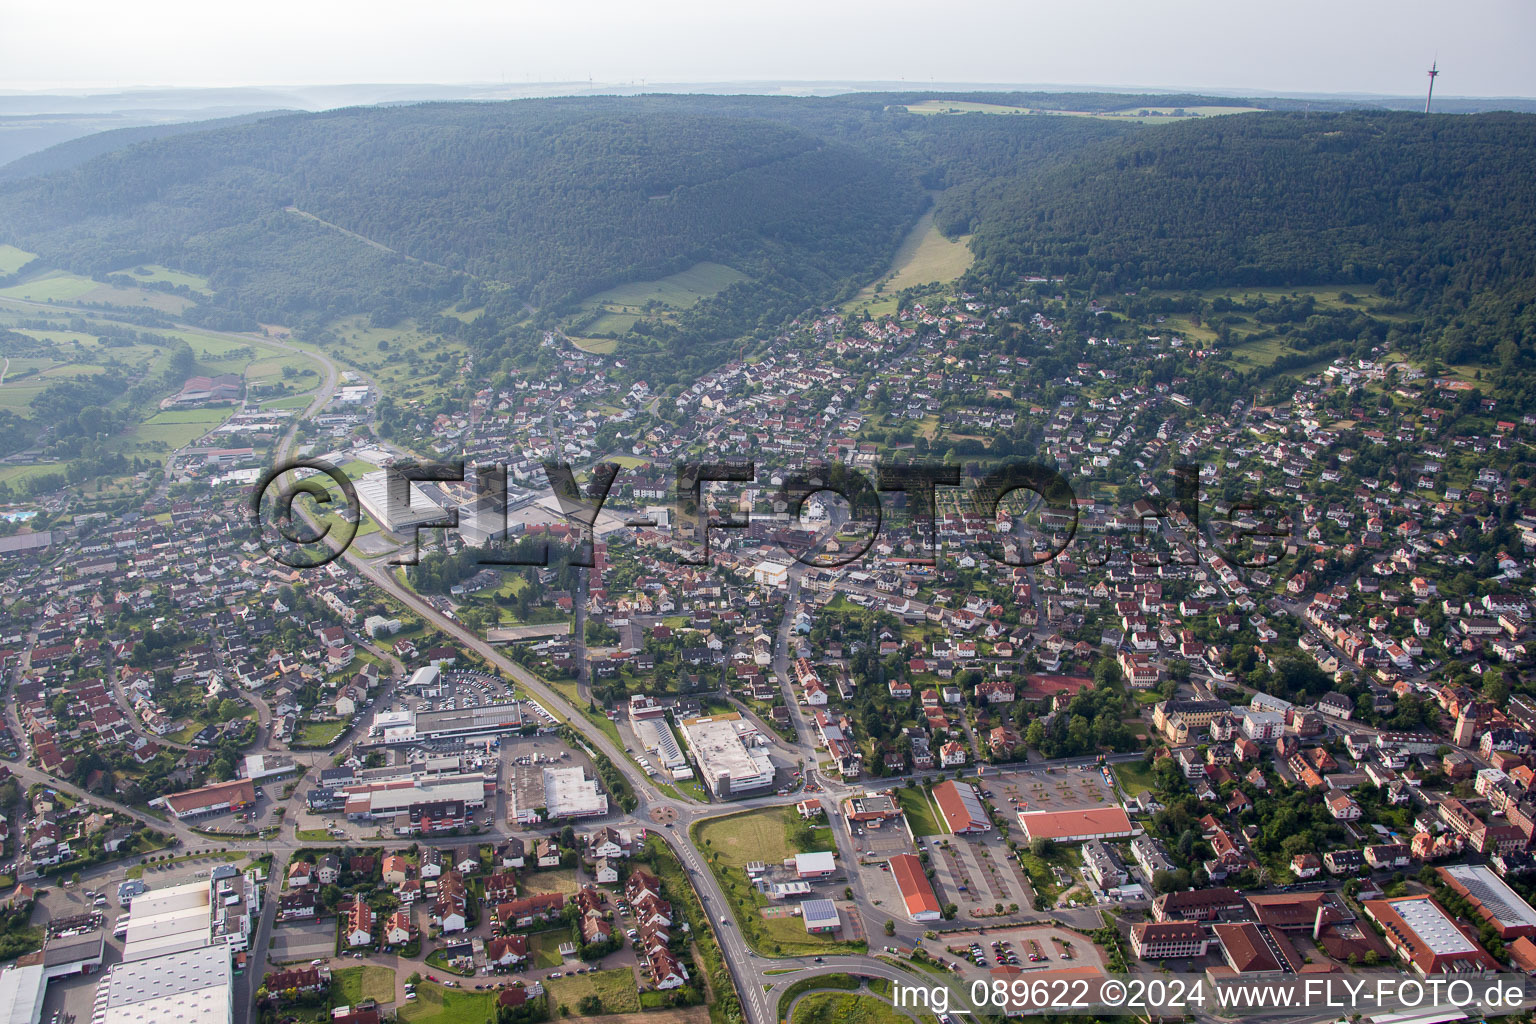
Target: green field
{"points": [[840, 1008], [352, 985], [1134, 777], [291, 402], [153, 272], [616, 988], [13, 259], [925, 257], [172, 429], [544, 947], [407, 363], [62, 286], [435, 1004], [13, 475], [615, 310], [729, 843], [677, 291], [596, 346], [50, 285], [921, 814], [319, 734]]}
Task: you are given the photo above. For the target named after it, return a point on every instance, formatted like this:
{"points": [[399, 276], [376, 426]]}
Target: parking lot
{"points": [[302, 941], [1025, 948], [976, 873], [1062, 790]]}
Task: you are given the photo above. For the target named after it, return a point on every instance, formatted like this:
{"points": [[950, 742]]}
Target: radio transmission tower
{"points": [[1434, 73]]}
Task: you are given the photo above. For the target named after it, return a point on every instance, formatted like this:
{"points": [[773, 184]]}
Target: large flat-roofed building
{"points": [[1076, 826], [480, 721], [193, 987], [396, 514], [219, 798], [728, 750], [170, 920], [568, 793], [961, 806], [916, 891], [22, 989], [417, 804], [1420, 931], [1493, 900]]}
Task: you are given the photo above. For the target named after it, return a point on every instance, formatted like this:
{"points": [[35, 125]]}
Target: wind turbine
{"points": [[1434, 73]]}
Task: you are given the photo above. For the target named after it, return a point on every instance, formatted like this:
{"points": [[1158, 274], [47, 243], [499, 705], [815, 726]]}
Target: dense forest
{"points": [[511, 207], [1437, 213]]}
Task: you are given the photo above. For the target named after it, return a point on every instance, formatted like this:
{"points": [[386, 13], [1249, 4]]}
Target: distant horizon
{"points": [[789, 87], [1310, 48]]}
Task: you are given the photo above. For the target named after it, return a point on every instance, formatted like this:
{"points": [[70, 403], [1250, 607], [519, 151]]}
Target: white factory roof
{"points": [[1438, 932], [721, 744], [188, 988], [21, 994], [373, 494], [815, 863], [169, 921], [569, 793]]}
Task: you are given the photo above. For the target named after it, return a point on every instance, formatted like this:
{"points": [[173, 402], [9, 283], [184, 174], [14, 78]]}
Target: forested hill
{"points": [[1438, 212], [549, 198]]}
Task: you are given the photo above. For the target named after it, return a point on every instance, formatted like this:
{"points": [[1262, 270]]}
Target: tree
{"points": [[890, 927], [950, 910], [1042, 847]]}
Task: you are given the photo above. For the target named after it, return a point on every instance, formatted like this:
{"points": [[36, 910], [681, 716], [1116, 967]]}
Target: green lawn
{"points": [[616, 988], [544, 947], [319, 734], [435, 1004], [1134, 777], [14, 475], [352, 985], [921, 814]]}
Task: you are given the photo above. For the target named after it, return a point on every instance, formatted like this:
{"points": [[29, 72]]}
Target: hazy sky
{"points": [[1377, 46]]}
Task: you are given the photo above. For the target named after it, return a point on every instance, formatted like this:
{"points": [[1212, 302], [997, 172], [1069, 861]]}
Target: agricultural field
{"points": [[924, 257], [615, 310], [352, 985], [406, 362], [435, 1004], [616, 989], [63, 286], [170, 429], [13, 259], [154, 273]]}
